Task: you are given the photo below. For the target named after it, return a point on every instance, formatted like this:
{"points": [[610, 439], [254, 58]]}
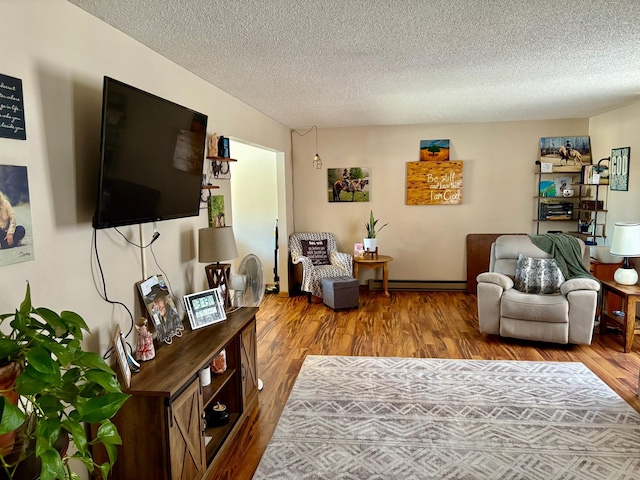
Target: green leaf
{"points": [[47, 432], [61, 352], [54, 378], [40, 359], [105, 468], [50, 405], [25, 306], [112, 453], [52, 467], [72, 318], [11, 417], [93, 360], [108, 434], [8, 347], [99, 408], [106, 380], [32, 382], [78, 435], [53, 320], [91, 389]]}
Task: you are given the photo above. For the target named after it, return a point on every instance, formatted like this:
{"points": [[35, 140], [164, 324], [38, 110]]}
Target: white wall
{"points": [[254, 194], [61, 53], [426, 242], [615, 129], [619, 128]]}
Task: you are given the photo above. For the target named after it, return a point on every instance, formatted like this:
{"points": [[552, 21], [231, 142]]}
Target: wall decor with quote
{"points": [[11, 108], [434, 183], [619, 169]]}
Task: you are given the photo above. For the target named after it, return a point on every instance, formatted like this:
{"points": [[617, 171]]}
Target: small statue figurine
{"points": [[213, 145], [144, 347]]}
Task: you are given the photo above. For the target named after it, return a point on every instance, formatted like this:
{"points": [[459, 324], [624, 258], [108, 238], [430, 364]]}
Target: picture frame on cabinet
{"points": [[121, 358], [619, 169]]}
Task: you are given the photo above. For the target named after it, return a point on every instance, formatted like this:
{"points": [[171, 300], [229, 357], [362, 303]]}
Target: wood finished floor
{"points": [[406, 324]]}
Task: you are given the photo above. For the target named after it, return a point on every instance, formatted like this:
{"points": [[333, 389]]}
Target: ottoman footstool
{"points": [[340, 292]]}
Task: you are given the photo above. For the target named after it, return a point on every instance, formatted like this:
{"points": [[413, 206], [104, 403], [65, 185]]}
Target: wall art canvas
{"points": [[11, 108], [434, 183], [348, 184], [434, 150], [619, 169], [216, 211], [16, 235], [566, 152]]}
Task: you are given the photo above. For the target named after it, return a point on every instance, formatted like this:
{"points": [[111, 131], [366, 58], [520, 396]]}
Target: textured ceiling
{"points": [[334, 63]]}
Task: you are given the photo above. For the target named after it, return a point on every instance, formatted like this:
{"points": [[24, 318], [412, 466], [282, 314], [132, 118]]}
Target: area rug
{"points": [[399, 418]]}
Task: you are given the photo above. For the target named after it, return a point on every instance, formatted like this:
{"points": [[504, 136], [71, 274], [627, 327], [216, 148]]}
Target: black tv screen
{"points": [[152, 152]]}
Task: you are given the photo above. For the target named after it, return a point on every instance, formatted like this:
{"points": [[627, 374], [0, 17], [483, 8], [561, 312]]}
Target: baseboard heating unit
{"points": [[420, 285]]}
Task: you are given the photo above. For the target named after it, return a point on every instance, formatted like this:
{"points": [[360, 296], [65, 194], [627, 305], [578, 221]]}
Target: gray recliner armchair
{"points": [[564, 317]]}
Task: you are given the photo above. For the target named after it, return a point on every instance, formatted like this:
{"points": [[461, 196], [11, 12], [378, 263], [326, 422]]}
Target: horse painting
{"points": [[351, 186], [569, 157]]}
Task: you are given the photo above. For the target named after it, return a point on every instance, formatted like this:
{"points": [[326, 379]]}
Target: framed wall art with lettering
{"points": [[11, 108], [619, 169]]}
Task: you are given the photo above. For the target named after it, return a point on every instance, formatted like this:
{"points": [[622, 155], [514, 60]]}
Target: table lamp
{"points": [[216, 244], [626, 243]]}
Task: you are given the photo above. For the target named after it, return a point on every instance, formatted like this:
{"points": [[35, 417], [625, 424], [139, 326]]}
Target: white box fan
{"points": [[248, 283]]}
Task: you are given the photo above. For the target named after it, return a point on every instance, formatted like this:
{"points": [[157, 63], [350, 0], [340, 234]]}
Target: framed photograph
{"points": [[16, 234], [161, 308], [205, 308], [566, 153], [121, 358], [619, 169]]}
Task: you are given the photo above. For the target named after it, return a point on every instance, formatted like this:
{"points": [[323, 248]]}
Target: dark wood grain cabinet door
{"points": [[185, 435], [249, 367]]}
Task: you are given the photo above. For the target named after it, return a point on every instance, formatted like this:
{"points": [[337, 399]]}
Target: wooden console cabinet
{"points": [[162, 424]]}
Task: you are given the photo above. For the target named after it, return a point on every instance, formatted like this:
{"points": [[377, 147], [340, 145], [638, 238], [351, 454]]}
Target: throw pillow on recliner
{"points": [[537, 275], [316, 251]]}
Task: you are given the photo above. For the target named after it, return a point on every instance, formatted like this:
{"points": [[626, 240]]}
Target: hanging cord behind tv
{"points": [[105, 296]]}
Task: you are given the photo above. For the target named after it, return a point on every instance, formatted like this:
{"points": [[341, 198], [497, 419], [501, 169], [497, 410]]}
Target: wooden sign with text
{"points": [[434, 183]]}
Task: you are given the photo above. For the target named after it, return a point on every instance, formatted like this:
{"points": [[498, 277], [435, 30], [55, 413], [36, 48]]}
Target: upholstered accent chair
{"points": [[564, 317], [312, 263]]}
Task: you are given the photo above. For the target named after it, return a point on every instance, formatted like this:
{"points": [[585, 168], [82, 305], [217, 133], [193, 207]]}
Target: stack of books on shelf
{"points": [[590, 174]]}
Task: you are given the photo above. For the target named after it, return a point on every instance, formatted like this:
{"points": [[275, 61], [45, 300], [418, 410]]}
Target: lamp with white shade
{"points": [[217, 244], [626, 243]]}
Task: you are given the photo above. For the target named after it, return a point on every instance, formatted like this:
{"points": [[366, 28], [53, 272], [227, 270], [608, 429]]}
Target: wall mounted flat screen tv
{"points": [[152, 152]]}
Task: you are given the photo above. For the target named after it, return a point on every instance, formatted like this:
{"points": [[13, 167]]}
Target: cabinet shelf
{"points": [[222, 159], [217, 383], [217, 435]]}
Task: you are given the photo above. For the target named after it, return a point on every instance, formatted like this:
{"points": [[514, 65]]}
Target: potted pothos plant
{"points": [[59, 388], [370, 242]]}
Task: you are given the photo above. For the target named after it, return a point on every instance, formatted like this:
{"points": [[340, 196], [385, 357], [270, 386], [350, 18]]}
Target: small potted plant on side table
{"points": [[370, 241]]}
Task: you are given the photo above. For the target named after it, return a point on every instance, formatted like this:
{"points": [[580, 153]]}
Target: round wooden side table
{"points": [[380, 261]]}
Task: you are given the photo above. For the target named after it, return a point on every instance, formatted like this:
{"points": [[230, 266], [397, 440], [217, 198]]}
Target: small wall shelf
{"points": [[222, 159]]}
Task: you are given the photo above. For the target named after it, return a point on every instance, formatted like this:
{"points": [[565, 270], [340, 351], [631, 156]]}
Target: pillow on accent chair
{"points": [[537, 275], [316, 251]]}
